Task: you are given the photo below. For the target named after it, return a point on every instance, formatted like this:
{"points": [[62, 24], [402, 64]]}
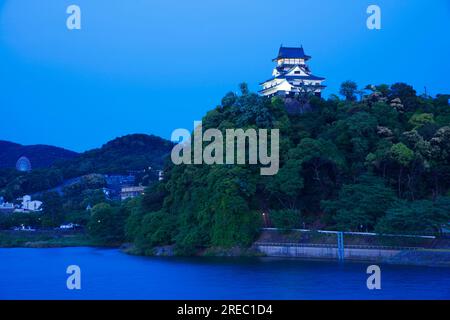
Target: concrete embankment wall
{"points": [[435, 258], [305, 244], [317, 252]]}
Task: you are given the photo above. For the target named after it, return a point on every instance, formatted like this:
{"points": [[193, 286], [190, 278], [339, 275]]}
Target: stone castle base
{"points": [[294, 106]]}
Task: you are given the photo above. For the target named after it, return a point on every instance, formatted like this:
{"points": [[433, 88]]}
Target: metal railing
{"points": [[333, 246], [357, 233]]}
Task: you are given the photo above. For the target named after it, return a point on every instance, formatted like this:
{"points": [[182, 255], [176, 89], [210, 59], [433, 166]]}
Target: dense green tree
{"points": [[359, 206], [52, 209], [153, 198], [418, 120], [348, 90], [286, 219], [416, 217], [244, 88], [156, 230], [106, 223], [383, 89], [403, 156], [133, 224], [287, 184], [406, 94]]}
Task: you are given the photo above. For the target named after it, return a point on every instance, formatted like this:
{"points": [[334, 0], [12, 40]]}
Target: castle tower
{"points": [[291, 76]]}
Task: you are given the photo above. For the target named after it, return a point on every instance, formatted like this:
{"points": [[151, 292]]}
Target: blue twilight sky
{"points": [[151, 66]]}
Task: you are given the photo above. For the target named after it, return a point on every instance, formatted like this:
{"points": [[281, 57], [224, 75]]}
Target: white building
{"points": [[29, 205], [6, 207], [291, 75], [131, 192], [69, 226]]}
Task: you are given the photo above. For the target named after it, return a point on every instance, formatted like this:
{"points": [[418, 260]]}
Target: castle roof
{"points": [[291, 53], [296, 77], [296, 85]]}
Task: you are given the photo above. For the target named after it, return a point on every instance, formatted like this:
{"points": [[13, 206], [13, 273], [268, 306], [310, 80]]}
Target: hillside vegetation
{"points": [[119, 156], [380, 163]]}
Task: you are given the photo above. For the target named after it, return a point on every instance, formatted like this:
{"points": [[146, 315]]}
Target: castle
{"points": [[291, 76]]}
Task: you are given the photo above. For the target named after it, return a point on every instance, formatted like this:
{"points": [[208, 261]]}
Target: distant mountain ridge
{"points": [[128, 152], [132, 153], [40, 156], [120, 155]]}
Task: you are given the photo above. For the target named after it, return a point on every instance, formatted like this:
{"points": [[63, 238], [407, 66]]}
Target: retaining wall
{"points": [[326, 252]]}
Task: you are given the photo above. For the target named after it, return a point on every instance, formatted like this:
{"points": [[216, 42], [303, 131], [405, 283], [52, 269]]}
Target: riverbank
{"points": [[419, 251], [271, 243], [47, 239], [413, 256]]}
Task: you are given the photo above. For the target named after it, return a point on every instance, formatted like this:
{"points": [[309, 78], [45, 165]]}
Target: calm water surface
{"points": [[110, 274]]}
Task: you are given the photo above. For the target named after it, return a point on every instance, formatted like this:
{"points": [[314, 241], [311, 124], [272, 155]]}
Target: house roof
{"points": [[291, 53]]}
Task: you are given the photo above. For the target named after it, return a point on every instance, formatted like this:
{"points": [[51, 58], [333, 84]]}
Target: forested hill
{"points": [[119, 156], [381, 162], [40, 156], [123, 154]]}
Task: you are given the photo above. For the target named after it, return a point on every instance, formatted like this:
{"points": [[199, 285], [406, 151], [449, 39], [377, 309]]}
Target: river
{"points": [[111, 274]]}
